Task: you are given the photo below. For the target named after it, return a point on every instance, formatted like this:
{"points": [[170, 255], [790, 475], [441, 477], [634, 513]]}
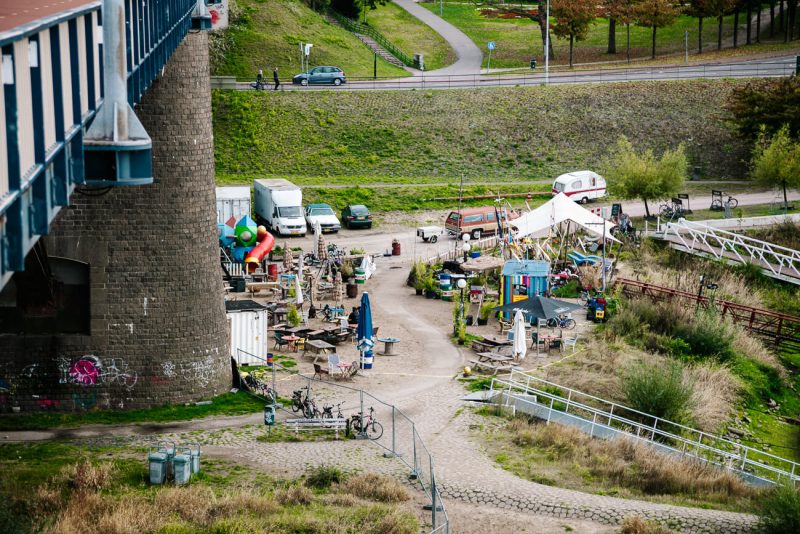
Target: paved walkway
{"points": [[469, 55]]}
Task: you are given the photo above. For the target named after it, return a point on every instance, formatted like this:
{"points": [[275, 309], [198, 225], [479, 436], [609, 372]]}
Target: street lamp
{"points": [[461, 284], [547, 46], [466, 248]]}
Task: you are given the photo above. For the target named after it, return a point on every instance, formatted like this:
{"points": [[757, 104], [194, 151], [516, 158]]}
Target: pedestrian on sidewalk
{"points": [[275, 77]]}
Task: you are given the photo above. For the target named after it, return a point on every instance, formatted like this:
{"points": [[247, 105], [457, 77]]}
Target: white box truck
{"points": [[233, 201], [279, 206]]}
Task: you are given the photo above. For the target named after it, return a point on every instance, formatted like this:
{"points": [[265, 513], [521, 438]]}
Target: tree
{"points": [[770, 103], [538, 17], [572, 19], [699, 9], [656, 14], [631, 175], [718, 8], [618, 11], [776, 160]]}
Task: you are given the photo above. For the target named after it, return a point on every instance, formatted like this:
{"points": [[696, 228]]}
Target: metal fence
{"points": [[400, 438], [369, 31], [768, 69], [601, 418]]}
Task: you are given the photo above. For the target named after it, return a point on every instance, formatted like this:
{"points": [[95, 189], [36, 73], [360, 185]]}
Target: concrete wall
{"points": [[157, 321]]}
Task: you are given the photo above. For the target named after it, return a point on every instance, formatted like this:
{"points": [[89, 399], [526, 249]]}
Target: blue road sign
{"points": [[490, 45]]}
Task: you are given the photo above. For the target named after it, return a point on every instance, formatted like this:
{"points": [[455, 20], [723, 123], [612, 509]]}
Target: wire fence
{"points": [[369, 31], [399, 436]]}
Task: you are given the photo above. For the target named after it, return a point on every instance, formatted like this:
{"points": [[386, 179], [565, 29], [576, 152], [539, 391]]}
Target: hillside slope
{"points": [[522, 132], [266, 33]]}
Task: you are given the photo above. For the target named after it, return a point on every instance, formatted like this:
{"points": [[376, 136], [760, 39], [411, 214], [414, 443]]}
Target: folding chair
{"points": [[279, 341], [319, 371], [571, 342]]}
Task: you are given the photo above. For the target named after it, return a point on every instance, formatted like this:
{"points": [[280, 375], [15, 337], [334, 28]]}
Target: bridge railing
{"points": [[780, 261], [602, 418]]}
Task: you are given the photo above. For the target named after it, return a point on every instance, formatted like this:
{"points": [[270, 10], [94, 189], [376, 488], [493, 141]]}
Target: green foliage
{"points": [[776, 160], [322, 477], [292, 315], [573, 19], [644, 176], [486, 308], [295, 135], [570, 290], [479, 384], [660, 390], [770, 103], [779, 510]]}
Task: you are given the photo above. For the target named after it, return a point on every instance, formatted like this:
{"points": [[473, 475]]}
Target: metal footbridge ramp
{"points": [[699, 239], [72, 72], [524, 393]]}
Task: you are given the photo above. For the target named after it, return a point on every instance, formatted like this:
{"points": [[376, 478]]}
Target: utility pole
{"points": [[686, 45], [547, 46]]}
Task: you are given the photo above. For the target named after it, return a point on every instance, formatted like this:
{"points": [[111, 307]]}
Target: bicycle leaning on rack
{"points": [[358, 424], [305, 403], [718, 204], [672, 210]]}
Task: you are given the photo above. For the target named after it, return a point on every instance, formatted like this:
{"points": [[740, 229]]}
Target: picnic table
{"points": [[546, 340], [489, 361], [318, 347], [292, 341], [315, 334], [389, 343], [493, 357]]}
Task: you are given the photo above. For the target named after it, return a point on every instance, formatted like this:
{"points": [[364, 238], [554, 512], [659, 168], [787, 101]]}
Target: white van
{"points": [[581, 186]]}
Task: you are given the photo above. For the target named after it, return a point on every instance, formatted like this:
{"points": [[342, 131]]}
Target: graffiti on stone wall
{"points": [[91, 370]]}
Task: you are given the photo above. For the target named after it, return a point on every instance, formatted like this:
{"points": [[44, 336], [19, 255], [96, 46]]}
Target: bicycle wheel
{"points": [[552, 323], [296, 405], [732, 202], [569, 324], [374, 430], [665, 211]]}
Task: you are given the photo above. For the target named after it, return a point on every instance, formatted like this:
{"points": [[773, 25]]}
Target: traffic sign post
{"points": [[490, 46]]}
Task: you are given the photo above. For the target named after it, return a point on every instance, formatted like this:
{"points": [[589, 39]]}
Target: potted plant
{"points": [[347, 271], [485, 311], [293, 316], [430, 285], [461, 333], [419, 281]]}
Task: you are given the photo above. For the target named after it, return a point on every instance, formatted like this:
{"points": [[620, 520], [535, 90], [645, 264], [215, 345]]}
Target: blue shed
{"points": [[521, 279]]}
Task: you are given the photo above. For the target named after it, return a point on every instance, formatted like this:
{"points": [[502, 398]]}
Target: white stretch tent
{"points": [[538, 222]]}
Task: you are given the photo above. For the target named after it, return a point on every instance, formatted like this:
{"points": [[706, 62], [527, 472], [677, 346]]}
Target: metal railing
{"points": [[603, 418], [364, 29], [774, 260], [400, 438]]}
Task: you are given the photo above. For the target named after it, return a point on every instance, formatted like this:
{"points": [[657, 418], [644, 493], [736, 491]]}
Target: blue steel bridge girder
{"points": [[52, 87]]}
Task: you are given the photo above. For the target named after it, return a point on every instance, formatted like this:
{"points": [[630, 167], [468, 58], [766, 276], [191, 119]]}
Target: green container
{"points": [[158, 467], [360, 276], [182, 464]]}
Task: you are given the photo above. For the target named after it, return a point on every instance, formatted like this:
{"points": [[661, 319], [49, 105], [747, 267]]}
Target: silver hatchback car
{"points": [[320, 75]]}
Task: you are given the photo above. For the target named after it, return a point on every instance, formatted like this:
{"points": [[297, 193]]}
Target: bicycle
{"points": [[259, 85], [305, 404], [565, 323], [327, 411], [261, 388], [671, 211], [360, 425], [718, 204]]}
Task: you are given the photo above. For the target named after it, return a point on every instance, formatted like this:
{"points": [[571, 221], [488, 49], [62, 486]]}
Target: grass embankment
{"points": [[519, 39], [50, 488], [411, 35], [265, 34], [566, 457], [527, 133], [239, 403]]}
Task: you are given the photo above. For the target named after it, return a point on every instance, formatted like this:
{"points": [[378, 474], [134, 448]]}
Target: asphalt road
{"points": [[758, 68]]}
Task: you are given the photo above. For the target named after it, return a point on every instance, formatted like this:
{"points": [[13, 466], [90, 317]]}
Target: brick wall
{"points": [[158, 326]]}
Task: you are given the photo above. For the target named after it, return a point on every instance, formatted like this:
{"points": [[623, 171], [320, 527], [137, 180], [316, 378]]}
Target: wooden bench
{"points": [[336, 425]]}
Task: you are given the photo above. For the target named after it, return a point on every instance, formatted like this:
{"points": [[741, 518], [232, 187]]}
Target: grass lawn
{"points": [[239, 403], [267, 34], [57, 487], [411, 35], [525, 133], [518, 40]]}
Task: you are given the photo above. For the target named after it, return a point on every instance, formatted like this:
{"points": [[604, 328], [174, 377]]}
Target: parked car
{"points": [[580, 186], [320, 75], [324, 215], [356, 216], [475, 221]]}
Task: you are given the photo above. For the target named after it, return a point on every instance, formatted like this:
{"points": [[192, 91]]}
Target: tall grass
{"points": [[660, 389], [780, 510]]}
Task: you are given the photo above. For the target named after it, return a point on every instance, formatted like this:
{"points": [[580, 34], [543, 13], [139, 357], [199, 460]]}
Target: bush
{"points": [[294, 495], [376, 488], [660, 390], [293, 316], [634, 524], [322, 477], [780, 510], [708, 335]]}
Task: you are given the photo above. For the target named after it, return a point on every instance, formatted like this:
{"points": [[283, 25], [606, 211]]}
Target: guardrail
{"points": [[400, 438], [603, 418], [378, 37]]}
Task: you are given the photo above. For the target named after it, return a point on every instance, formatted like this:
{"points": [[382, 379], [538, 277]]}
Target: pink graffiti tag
{"points": [[85, 371]]}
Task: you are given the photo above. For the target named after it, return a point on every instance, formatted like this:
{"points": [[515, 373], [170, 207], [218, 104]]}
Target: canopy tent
{"points": [[560, 209], [539, 307], [482, 264]]}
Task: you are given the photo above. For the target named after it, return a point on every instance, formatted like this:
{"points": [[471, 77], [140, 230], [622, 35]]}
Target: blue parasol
{"points": [[364, 340]]}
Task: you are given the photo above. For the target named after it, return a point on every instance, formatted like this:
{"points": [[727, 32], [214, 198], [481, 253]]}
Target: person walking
{"points": [[275, 77], [259, 79]]}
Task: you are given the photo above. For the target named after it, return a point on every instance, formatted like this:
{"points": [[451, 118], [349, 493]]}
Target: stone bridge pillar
{"points": [[155, 331]]}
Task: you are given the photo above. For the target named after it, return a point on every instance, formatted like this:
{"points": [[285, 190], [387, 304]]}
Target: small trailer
{"points": [[430, 234]]}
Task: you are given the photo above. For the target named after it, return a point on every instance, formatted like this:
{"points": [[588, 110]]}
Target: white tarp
{"points": [[368, 266], [538, 222]]}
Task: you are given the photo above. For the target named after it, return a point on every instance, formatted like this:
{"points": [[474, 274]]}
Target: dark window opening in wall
{"points": [[51, 296]]}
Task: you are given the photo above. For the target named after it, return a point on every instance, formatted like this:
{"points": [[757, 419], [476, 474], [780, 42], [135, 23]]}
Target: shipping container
{"points": [[248, 331], [232, 201]]}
